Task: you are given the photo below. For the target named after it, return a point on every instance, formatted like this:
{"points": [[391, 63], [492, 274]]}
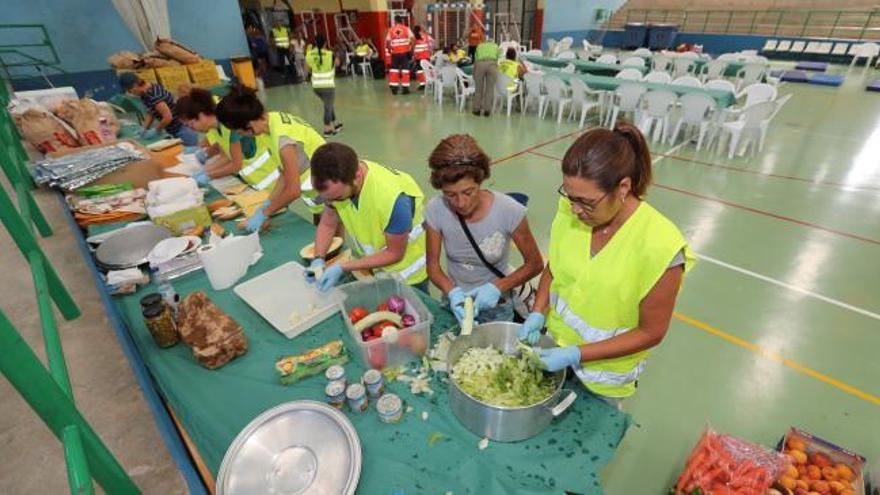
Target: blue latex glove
{"points": [[485, 296], [330, 277], [149, 133], [189, 150], [316, 265], [456, 302], [202, 155], [530, 331], [557, 358], [255, 222], [201, 177]]}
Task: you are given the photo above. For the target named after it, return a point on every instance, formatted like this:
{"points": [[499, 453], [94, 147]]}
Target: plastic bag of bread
{"points": [[214, 337], [125, 60], [155, 60], [44, 131], [176, 51]]}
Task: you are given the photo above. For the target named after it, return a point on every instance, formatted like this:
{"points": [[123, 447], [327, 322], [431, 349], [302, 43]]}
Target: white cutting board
{"points": [[282, 292]]}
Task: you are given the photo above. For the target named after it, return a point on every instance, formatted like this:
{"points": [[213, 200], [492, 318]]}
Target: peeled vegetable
{"points": [[397, 304], [407, 321], [377, 317], [499, 379], [467, 323]]}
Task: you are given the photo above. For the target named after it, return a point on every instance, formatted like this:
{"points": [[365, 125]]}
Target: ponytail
{"points": [[641, 175], [607, 157], [320, 42]]}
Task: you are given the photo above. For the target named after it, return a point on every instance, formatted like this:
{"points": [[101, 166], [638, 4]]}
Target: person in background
{"points": [[423, 47], [198, 111], [160, 104], [284, 166], [298, 45], [363, 52], [259, 50], [485, 73], [475, 37], [322, 65], [458, 169], [512, 68], [381, 210], [399, 41], [281, 40], [615, 266]]}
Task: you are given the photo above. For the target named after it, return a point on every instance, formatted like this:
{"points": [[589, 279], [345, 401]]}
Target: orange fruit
{"points": [[836, 487], [788, 482], [802, 471], [829, 473], [844, 472], [813, 472], [792, 472], [802, 484], [820, 486], [799, 456], [796, 444], [821, 460]]}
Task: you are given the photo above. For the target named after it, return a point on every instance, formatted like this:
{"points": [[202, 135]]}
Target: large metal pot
{"points": [[503, 424]]}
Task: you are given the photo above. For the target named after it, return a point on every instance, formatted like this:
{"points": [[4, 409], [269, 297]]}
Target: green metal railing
{"points": [[845, 24], [48, 392], [30, 57]]}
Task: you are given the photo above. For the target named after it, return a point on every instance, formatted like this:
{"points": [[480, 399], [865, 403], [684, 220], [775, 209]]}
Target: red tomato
{"points": [[377, 357], [382, 307], [357, 314]]}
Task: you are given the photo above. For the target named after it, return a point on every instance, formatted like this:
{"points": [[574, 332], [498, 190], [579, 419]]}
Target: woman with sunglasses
{"points": [[492, 219], [615, 266]]}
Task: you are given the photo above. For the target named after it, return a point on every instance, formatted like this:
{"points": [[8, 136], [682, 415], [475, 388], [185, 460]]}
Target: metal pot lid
{"points": [[130, 246], [295, 448]]}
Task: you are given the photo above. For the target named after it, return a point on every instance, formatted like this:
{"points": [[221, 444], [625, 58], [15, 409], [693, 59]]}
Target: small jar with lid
{"points": [[335, 392], [336, 373], [357, 397], [160, 323], [390, 408], [373, 381]]}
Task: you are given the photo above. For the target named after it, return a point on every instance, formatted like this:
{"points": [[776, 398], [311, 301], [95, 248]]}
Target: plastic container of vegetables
{"points": [[393, 348]]}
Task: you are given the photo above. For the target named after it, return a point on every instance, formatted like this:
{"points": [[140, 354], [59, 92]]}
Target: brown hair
{"points": [[197, 101], [456, 157], [335, 162], [607, 157]]}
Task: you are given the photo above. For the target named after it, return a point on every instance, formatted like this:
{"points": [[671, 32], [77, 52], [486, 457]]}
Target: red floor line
{"points": [[536, 146], [767, 174], [749, 209], [769, 214]]}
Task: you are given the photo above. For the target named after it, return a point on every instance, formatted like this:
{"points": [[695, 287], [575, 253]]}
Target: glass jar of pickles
{"points": [[160, 323]]}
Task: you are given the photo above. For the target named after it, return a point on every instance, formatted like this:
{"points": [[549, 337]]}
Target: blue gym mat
{"points": [[795, 76], [826, 80], [813, 66], [873, 86]]}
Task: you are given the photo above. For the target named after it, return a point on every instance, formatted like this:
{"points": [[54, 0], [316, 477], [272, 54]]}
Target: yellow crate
{"points": [[203, 74], [172, 77], [145, 74]]}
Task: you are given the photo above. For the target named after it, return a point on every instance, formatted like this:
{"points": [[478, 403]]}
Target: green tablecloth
{"points": [[723, 98], [214, 405], [585, 66], [733, 66]]}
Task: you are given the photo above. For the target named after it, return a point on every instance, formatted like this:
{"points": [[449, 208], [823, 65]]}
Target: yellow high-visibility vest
{"points": [[281, 37]]}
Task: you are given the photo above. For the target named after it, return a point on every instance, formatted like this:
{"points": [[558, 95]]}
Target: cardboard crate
{"points": [[172, 77], [203, 74], [838, 455], [145, 74]]}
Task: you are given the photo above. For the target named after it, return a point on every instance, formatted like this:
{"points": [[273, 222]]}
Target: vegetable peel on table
{"points": [[499, 379], [435, 437], [424, 415], [483, 444]]}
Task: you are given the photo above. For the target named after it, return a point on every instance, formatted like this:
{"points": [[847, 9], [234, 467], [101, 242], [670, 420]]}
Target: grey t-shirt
{"points": [[493, 234]]}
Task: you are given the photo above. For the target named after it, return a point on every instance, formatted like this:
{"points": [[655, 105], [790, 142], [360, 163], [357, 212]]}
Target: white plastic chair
{"points": [[721, 85], [502, 92], [752, 124], [714, 69], [865, 51], [535, 53], [750, 74], [564, 44], [583, 98], [566, 55], [551, 46], [557, 94], [690, 81], [430, 75], [625, 99], [633, 62], [757, 93], [568, 69], [465, 87], [534, 91], [658, 77], [661, 63], [689, 55], [448, 79], [696, 110], [642, 52], [682, 66], [656, 114], [631, 74], [607, 59], [728, 57]]}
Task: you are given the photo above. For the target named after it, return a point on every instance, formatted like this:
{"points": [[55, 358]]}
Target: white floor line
{"points": [[671, 150], [788, 286]]}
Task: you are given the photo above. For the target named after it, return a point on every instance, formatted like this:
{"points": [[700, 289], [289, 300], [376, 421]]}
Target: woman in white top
{"points": [[298, 46], [493, 219]]}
